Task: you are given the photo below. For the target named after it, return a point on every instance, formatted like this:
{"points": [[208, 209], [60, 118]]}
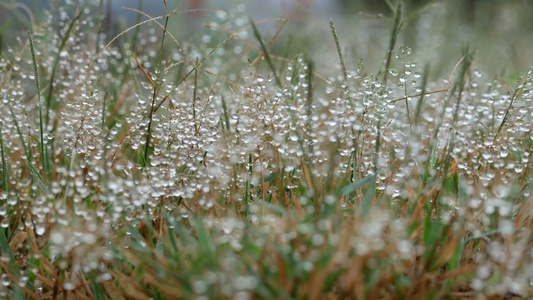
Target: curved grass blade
{"points": [[13, 267], [56, 62], [265, 52], [5, 170], [28, 153], [2, 30], [339, 50], [43, 159], [35, 174], [393, 37]]}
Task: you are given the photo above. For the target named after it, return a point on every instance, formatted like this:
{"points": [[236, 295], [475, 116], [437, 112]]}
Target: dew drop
{"points": [[40, 229], [68, 285]]}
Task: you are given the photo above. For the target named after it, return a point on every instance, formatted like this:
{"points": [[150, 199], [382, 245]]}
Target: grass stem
{"points": [[393, 37], [41, 130], [5, 170], [339, 50], [265, 52]]}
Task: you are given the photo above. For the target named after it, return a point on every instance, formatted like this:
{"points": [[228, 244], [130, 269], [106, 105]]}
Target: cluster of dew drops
{"points": [[231, 136]]}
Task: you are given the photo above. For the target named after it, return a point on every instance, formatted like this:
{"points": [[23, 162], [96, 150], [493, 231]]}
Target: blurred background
{"points": [[500, 30]]}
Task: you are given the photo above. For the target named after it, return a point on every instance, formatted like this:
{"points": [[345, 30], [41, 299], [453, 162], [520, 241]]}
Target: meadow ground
{"points": [[266, 158]]}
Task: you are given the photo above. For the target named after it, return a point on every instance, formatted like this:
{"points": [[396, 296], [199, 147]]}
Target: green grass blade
{"points": [[26, 151], [393, 37], [353, 186], [7, 252], [226, 115], [513, 98], [461, 80], [265, 52], [2, 30], [43, 158], [310, 93], [422, 94], [274, 207], [56, 62], [194, 95], [37, 176], [339, 50], [5, 169], [206, 248]]}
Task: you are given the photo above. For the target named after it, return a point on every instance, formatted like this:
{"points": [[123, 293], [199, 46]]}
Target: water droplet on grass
{"points": [[68, 285]]}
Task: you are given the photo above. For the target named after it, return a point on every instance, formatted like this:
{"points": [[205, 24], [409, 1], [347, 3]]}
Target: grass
{"points": [[251, 180]]}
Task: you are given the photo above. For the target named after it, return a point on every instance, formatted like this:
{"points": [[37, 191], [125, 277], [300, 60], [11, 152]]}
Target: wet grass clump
{"points": [[148, 167]]}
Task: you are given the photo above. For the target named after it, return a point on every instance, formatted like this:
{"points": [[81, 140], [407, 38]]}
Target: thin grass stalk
{"points": [[339, 50], [173, 89], [309, 100], [5, 171], [247, 193], [104, 104], [194, 95], [67, 179], [371, 192], [422, 94], [159, 74], [406, 93], [100, 26], [2, 30], [159, 66], [43, 159], [287, 19], [26, 151], [265, 52], [9, 264], [305, 161], [226, 115], [105, 142], [354, 166], [460, 83], [392, 43], [283, 63], [145, 156], [37, 176], [513, 98], [56, 63], [137, 29]]}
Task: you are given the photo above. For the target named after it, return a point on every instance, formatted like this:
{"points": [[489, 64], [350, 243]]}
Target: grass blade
{"points": [[422, 94], [2, 30], [56, 63], [353, 186], [5, 170], [339, 50], [7, 251], [394, 35], [37, 176], [370, 193], [26, 151], [265, 52], [43, 158], [513, 98], [194, 95], [144, 160]]}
